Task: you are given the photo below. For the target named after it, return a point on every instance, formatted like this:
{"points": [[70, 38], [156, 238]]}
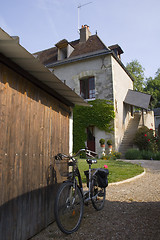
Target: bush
{"points": [[109, 142], [145, 140], [157, 157], [102, 141], [116, 155], [158, 142], [133, 154], [113, 156], [147, 155]]}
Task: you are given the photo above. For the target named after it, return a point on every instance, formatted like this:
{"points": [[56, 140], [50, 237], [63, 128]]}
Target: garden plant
{"points": [[148, 144]]}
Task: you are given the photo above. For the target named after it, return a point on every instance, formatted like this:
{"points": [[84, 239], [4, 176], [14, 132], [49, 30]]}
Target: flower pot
{"points": [[110, 148], [103, 145]]}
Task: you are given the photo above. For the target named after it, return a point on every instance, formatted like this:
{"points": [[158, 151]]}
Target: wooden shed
{"points": [[35, 125]]}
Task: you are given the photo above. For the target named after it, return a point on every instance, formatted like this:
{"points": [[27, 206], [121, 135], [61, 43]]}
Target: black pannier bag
{"points": [[102, 179]]}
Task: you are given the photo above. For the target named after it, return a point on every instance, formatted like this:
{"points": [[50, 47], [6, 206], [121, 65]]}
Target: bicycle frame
{"points": [[75, 173]]}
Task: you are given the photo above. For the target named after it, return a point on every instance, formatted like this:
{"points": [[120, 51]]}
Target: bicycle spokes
{"points": [[69, 208]]}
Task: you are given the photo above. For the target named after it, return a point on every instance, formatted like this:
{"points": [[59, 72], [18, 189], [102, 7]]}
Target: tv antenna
{"points": [[79, 7]]}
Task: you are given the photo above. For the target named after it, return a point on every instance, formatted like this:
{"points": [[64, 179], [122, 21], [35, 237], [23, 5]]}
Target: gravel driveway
{"points": [[132, 211]]}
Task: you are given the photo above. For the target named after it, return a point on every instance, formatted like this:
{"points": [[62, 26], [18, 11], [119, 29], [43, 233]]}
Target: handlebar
{"points": [[89, 153]]}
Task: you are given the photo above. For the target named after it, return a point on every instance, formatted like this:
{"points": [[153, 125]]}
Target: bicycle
{"points": [[71, 197]]}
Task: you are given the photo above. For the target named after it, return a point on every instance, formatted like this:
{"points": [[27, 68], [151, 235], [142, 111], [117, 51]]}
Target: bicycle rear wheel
{"points": [[98, 194], [68, 208]]}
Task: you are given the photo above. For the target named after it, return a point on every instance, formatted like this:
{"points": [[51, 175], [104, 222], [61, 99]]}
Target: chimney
{"points": [[84, 33]]}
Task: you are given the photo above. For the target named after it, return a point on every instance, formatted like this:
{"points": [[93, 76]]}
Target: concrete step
{"points": [[127, 141]]}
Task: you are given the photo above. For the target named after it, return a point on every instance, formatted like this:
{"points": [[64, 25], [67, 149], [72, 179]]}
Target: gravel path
{"points": [[131, 212]]}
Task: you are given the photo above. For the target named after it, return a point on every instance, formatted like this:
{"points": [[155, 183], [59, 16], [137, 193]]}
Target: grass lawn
{"points": [[118, 170]]}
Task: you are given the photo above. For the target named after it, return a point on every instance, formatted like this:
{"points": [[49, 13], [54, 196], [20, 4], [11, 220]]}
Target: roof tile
{"points": [[93, 44]]}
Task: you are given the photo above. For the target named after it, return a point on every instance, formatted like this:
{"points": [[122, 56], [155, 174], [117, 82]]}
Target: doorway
{"points": [[90, 138]]}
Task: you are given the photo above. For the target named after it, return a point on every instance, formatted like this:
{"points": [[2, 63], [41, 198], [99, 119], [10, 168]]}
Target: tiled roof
{"points": [[62, 43], [47, 56], [93, 44]]}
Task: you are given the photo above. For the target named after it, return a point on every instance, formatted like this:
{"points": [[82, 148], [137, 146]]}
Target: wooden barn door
{"points": [[34, 127]]}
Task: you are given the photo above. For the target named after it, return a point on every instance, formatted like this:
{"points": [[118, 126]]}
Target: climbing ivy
{"points": [[99, 114]]}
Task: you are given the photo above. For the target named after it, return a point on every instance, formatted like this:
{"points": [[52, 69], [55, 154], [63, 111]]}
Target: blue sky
{"points": [[133, 24]]}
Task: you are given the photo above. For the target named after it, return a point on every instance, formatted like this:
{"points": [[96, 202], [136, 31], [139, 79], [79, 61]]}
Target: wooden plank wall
{"points": [[33, 128]]}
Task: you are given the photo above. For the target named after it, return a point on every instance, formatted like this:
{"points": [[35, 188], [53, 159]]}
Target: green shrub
{"points": [[109, 142], [147, 155], [116, 155], [102, 141], [145, 140], [157, 157], [113, 156], [133, 154], [158, 142]]}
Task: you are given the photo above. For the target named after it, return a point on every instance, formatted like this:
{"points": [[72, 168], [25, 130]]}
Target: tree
{"points": [[153, 88], [137, 72]]}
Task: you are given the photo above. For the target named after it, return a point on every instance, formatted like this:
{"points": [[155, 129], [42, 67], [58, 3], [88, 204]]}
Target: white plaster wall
{"points": [[121, 84], [69, 50], [71, 133], [149, 120]]}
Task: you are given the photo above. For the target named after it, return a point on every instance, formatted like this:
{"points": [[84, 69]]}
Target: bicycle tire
{"points": [[68, 208], [98, 194]]}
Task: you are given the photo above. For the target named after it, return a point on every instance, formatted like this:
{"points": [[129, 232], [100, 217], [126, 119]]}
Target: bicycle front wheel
{"points": [[68, 208], [98, 194]]}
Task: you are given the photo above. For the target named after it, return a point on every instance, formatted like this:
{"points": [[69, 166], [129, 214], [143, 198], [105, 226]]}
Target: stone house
{"points": [[96, 71]]}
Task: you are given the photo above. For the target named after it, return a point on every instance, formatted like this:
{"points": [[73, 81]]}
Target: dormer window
{"points": [[87, 88], [117, 50], [63, 53], [64, 49]]}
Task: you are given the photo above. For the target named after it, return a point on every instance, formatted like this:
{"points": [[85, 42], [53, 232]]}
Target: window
{"points": [[87, 88], [63, 53]]}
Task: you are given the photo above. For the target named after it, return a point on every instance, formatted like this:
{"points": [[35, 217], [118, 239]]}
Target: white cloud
{"points": [[48, 7], [48, 4]]}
